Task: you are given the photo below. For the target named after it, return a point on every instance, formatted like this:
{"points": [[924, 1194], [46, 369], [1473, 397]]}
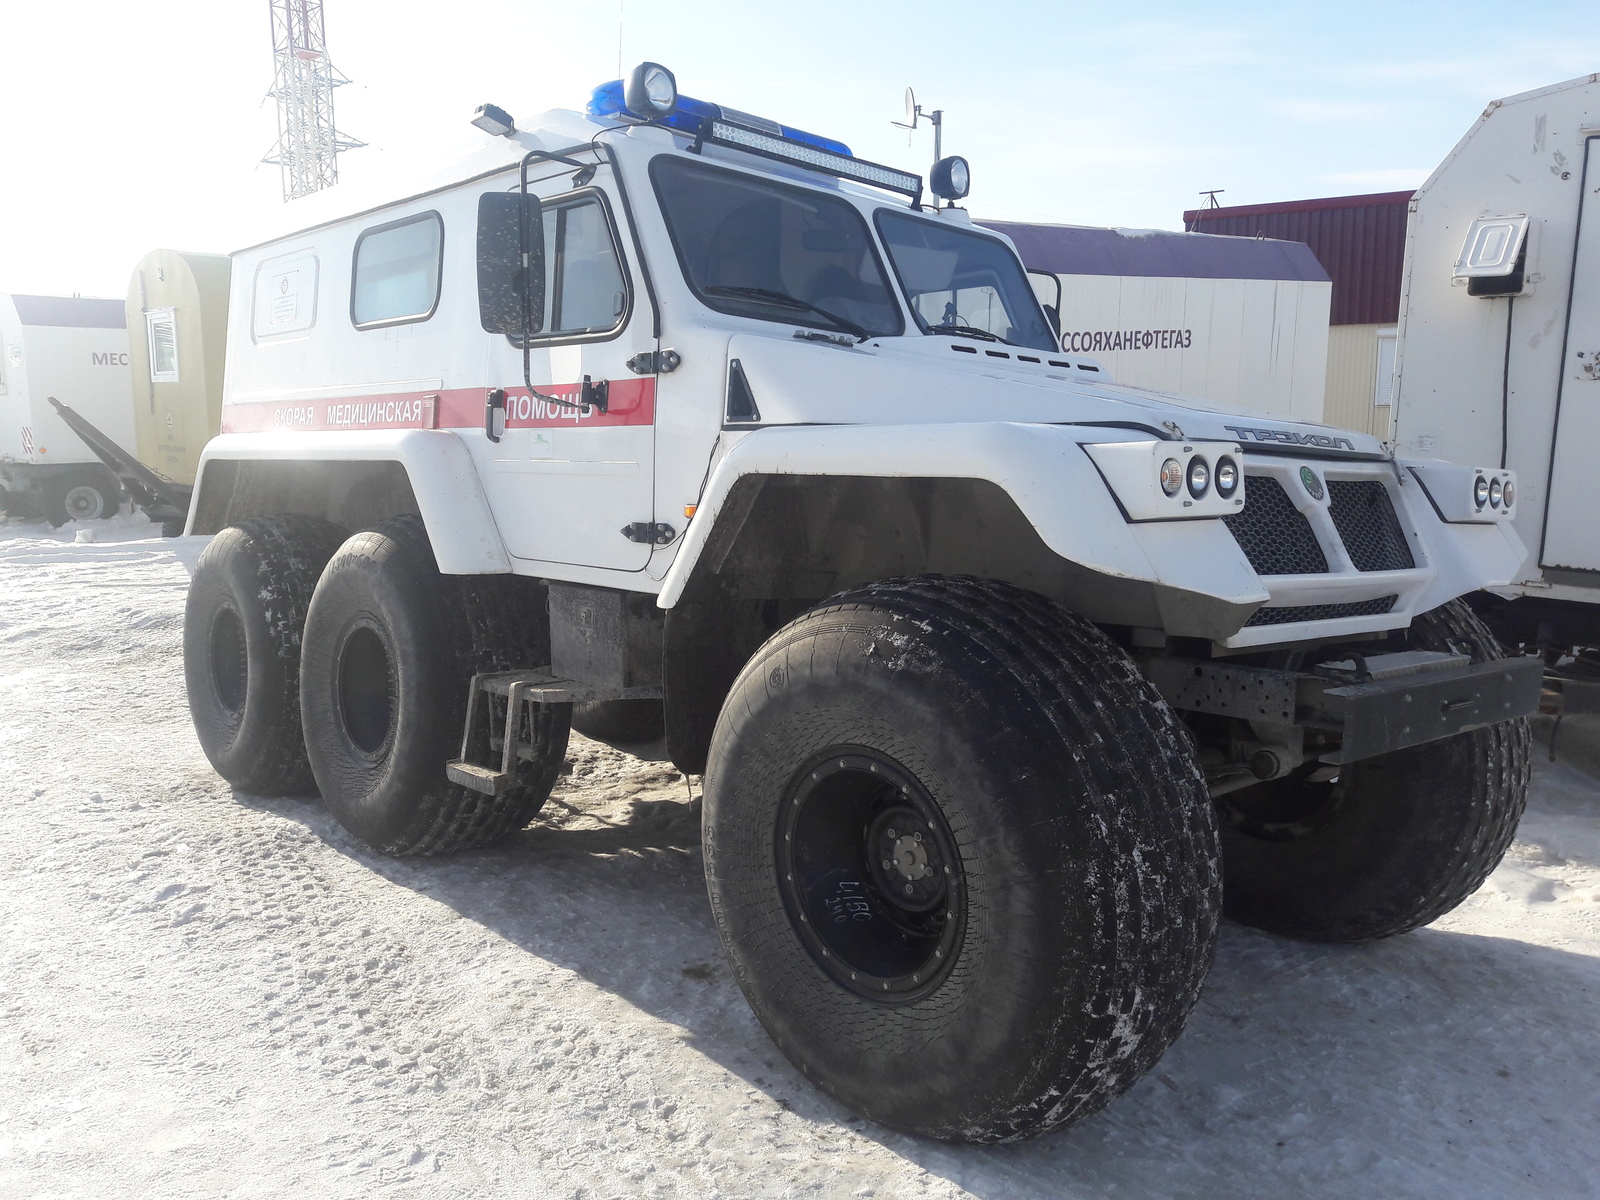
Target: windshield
{"points": [[960, 280], [757, 248]]}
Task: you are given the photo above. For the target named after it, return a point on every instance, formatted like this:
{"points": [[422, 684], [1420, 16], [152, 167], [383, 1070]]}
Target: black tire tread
{"points": [[494, 624], [1070, 684], [285, 553], [1467, 794]]}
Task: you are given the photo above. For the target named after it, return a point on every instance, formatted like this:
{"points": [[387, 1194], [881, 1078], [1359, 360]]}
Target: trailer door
{"points": [[1571, 535]]}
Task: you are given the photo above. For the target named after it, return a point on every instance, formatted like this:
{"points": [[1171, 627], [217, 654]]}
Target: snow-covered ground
{"points": [[210, 994]]}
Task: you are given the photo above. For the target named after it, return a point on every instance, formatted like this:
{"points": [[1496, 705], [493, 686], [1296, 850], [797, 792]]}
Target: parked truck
{"points": [[1005, 681], [1499, 344], [74, 348]]}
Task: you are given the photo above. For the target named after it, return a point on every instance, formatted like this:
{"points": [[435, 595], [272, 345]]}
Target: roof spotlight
{"points": [[491, 118], [950, 178], [652, 92]]}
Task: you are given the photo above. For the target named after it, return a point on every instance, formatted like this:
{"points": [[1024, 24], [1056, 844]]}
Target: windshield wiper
{"points": [[982, 335], [788, 301]]}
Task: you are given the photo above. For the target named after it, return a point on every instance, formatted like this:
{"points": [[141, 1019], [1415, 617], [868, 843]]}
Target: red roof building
{"points": [[1360, 241]]}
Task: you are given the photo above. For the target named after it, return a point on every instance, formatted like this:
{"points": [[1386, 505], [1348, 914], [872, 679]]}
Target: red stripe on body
{"points": [[629, 402]]}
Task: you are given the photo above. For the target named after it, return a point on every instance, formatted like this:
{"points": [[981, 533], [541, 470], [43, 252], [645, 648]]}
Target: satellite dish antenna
{"points": [[911, 107]]}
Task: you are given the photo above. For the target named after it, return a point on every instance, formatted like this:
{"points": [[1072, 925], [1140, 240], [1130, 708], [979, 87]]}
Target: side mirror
{"points": [[510, 264]]}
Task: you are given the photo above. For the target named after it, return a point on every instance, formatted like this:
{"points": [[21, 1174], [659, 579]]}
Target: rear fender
{"points": [[304, 469]]}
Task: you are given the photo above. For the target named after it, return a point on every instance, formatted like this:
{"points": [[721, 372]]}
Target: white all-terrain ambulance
{"points": [[1005, 680]]}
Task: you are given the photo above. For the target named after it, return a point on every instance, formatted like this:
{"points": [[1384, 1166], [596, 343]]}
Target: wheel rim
{"points": [[230, 664], [870, 875], [84, 503], [366, 700]]}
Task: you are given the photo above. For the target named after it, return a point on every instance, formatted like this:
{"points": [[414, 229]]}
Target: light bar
{"points": [[609, 100], [787, 150]]}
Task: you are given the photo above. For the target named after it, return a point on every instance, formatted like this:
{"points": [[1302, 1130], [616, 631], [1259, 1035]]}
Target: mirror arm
{"points": [[533, 156]]}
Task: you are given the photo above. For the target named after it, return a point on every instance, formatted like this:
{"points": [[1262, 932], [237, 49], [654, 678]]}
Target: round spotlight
{"points": [[1171, 476], [1227, 477], [1495, 490], [652, 92], [950, 178], [1508, 494], [1480, 491], [1199, 476]]}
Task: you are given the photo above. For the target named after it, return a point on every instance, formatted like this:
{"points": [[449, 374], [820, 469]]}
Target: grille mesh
{"points": [[1274, 535], [1363, 513], [1321, 612]]}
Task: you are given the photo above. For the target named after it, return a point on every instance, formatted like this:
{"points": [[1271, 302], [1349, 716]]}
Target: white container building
{"points": [[76, 350], [1241, 322], [1499, 352]]}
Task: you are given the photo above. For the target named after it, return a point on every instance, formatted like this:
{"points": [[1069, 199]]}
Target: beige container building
{"points": [[177, 311]]}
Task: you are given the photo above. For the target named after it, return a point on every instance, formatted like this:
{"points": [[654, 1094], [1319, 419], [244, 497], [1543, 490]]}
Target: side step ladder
{"points": [[518, 688]]}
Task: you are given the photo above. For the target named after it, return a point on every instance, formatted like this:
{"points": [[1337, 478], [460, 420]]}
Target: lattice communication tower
{"points": [[303, 82]]}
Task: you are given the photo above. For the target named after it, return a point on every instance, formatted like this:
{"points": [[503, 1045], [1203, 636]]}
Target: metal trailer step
{"points": [[519, 688]]}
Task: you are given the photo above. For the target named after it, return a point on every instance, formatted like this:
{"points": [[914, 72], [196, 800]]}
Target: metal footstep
{"points": [[519, 688]]}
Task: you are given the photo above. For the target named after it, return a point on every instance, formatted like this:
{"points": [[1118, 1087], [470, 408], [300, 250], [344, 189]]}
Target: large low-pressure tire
{"points": [[620, 720], [1393, 842], [960, 856], [81, 497], [241, 648], [390, 649]]}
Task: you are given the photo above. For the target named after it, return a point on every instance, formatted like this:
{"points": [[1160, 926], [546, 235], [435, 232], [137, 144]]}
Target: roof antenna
{"points": [[914, 114], [1210, 202]]}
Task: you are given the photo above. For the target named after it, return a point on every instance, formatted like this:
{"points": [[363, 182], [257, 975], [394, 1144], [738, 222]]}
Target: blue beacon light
{"points": [[607, 101]]}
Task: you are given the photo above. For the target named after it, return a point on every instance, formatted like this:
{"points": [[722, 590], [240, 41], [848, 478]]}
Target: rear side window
{"points": [[758, 248], [395, 275]]}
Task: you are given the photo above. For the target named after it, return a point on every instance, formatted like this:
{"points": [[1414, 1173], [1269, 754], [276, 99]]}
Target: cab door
{"points": [[567, 478], [1571, 538]]}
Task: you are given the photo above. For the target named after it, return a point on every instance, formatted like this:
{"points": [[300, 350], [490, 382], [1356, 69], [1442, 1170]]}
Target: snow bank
{"points": [[210, 994]]}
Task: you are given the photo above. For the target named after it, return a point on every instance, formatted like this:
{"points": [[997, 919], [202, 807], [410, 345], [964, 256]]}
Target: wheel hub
{"points": [[84, 503], [906, 863], [870, 875]]}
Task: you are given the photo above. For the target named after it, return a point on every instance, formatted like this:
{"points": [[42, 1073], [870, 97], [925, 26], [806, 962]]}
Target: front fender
{"points": [[450, 496], [1044, 470]]}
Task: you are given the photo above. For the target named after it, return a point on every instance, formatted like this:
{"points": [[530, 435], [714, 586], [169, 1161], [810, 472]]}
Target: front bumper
{"points": [[1377, 705]]}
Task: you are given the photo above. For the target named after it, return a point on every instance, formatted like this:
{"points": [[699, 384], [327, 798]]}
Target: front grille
{"points": [[1274, 535], [1363, 513], [1321, 612]]}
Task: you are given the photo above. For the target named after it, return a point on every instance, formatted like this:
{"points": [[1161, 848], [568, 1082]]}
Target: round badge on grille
{"points": [[1312, 483]]}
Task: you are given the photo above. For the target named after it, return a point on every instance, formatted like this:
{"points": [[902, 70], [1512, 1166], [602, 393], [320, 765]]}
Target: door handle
{"points": [[494, 413]]}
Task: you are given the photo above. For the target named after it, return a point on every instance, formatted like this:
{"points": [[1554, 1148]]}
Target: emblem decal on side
{"points": [[1312, 483]]}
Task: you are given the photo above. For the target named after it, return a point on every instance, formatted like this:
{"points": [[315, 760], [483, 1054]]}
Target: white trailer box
{"points": [[1235, 321], [1499, 355], [76, 350]]}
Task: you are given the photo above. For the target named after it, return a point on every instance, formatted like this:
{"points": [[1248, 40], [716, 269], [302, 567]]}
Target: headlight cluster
{"points": [[1199, 478], [1467, 495], [1496, 492], [1172, 480]]}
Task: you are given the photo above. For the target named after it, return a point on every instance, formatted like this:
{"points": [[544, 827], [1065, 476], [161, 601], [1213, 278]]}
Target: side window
{"points": [[585, 292], [395, 274], [161, 329]]}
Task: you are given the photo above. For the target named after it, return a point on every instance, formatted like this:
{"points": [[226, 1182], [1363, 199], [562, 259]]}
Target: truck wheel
{"points": [[391, 646], [80, 498], [960, 857], [1393, 842], [241, 648], [620, 720]]}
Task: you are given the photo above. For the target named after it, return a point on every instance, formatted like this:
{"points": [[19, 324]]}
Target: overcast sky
{"points": [[125, 127]]}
